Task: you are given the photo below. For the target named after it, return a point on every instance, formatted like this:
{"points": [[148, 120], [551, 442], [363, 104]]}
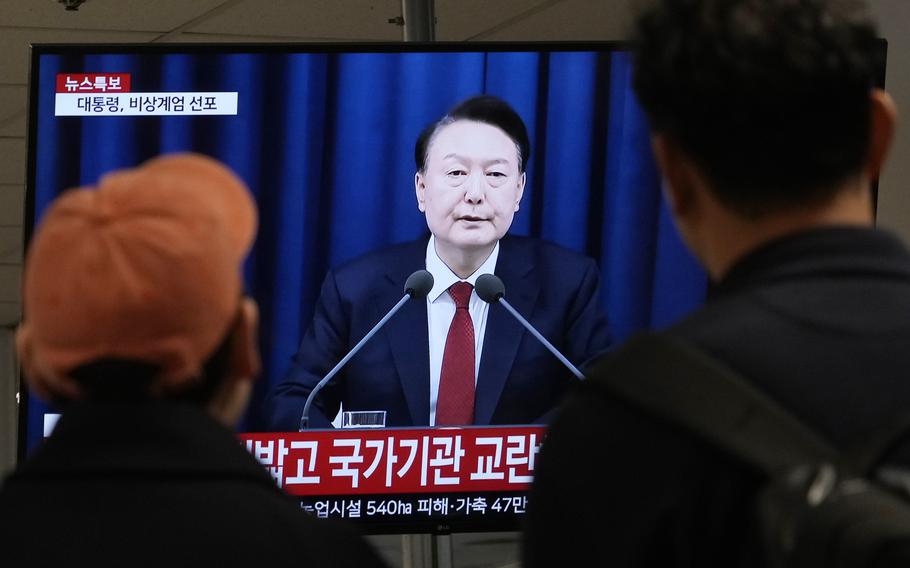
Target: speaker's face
{"points": [[472, 185]]}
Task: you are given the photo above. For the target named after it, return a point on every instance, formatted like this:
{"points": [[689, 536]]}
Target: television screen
{"points": [[351, 202]]}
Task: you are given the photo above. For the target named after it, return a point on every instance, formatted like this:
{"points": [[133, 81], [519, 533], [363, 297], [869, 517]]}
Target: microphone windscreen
{"points": [[490, 288], [419, 284]]}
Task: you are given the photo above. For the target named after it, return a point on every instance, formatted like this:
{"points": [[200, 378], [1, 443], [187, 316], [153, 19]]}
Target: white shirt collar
{"points": [[443, 277]]}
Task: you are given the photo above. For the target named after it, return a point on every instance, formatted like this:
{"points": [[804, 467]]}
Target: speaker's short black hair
{"points": [[483, 108], [770, 97]]}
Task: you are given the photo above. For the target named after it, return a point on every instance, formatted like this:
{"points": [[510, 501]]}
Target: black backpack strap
{"points": [[867, 456], [687, 387]]}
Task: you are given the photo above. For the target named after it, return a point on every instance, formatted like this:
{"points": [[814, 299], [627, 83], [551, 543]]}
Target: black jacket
{"points": [[157, 484], [819, 320]]}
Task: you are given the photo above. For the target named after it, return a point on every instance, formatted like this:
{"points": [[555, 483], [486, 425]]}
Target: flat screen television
{"points": [[324, 136]]}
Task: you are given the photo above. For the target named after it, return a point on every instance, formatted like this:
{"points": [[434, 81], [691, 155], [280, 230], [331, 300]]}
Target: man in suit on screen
{"points": [[452, 358]]}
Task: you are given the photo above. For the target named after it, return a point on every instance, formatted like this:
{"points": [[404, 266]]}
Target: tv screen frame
{"points": [[636, 294]]}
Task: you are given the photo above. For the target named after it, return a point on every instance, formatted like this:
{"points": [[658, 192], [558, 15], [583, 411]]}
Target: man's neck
{"points": [[732, 237], [463, 262]]}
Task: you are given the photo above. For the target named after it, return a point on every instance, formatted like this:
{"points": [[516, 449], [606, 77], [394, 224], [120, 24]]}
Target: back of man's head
{"points": [[133, 287], [769, 97]]}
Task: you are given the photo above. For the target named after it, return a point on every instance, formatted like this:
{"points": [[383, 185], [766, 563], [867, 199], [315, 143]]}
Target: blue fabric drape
{"points": [[325, 142]]}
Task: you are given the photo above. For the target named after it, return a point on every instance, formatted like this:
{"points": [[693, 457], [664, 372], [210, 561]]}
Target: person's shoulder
{"points": [[294, 533], [543, 251], [380, 271], [337, 543], [385, 258], [600, 410]]}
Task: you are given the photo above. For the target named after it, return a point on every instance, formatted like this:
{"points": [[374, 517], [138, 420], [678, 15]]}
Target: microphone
{"points": [[490, 289], [418, 285]]}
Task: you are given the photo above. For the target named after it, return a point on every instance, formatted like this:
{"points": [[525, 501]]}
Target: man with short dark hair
{"points": [[453, 359], [136, 326], [769, 130]]}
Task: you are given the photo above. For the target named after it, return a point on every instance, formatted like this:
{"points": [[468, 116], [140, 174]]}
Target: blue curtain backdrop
{"points": [[325, 142]]}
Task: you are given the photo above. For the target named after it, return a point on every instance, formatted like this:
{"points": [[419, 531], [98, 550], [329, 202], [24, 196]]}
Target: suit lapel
{"points": [[503, 333], [407, 333]]}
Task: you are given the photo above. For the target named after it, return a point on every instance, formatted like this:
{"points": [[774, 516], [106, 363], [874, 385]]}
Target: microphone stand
{"points": [[418, 285], [491, 290], [305, 418], [542, 339]]}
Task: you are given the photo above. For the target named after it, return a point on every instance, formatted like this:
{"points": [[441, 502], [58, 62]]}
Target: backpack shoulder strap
{"points": [[868, 455], [680, 383]]}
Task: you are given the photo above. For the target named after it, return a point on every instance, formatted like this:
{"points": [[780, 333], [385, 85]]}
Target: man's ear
{"points": [[882, 122], [520, 189], [233, 394], [679, 174], [420, 189], [245, 362]]}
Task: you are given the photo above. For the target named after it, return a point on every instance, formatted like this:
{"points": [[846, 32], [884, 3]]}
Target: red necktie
{"points": [[455, 404]]}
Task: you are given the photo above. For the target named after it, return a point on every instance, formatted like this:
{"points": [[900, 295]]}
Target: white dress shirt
{"points": [[441, 310]]}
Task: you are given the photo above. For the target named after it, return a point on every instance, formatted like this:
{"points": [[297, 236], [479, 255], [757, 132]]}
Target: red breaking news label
{"points": [[93, 82], [408, 460]]}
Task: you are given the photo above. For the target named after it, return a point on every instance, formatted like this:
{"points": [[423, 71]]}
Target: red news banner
{"points": [[405, 461], [93, 82]]}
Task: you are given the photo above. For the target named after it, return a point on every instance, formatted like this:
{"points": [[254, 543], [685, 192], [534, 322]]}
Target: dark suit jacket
{"points": [[519, 381], [158, 484], [820, 321]]}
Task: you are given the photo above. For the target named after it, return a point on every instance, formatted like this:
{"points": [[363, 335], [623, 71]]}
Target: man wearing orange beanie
{"points": [[137, 328]]}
